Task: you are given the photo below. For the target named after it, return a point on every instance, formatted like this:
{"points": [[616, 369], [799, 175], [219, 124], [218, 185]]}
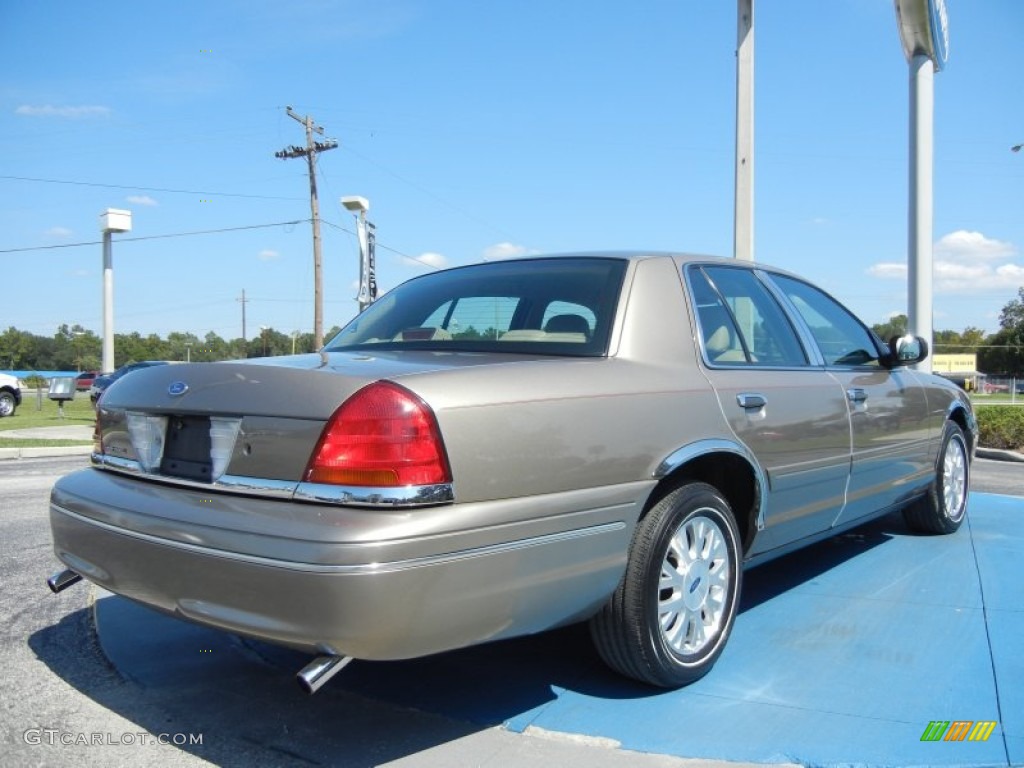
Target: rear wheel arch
{"points": [[725, 467]]}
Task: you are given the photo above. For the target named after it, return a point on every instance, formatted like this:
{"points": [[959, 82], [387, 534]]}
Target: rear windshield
{"points": [[534, 306]]}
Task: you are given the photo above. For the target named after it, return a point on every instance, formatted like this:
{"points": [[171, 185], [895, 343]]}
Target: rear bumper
{"points": [[363, 583]]}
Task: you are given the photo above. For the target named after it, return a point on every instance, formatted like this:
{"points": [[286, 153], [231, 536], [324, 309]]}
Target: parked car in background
{"points": [[10, 394], [84, 380], [499, 449], [100, 383]]}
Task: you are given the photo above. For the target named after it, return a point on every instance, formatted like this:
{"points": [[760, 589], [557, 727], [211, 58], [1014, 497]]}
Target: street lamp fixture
{"points": [[111, 220], [358, 206]]}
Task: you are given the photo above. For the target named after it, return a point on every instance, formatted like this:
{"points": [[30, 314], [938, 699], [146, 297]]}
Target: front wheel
{"points": [[944, 507], [7, 404], [671, 615]]}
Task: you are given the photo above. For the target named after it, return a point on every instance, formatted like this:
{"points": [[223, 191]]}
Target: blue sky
{"points": [[484, 130]]}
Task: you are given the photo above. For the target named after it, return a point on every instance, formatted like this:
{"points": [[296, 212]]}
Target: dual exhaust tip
{"points": [[311, 678], [62, 580]]}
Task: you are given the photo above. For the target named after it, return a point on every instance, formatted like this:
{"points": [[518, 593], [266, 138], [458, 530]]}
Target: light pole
{"points": [[367, 269], [111, 220], [743, 209], [924, 32]]}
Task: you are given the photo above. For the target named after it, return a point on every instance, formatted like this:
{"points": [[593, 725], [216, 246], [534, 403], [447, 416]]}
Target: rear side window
{"points": [[741, 323], [561, 306]]}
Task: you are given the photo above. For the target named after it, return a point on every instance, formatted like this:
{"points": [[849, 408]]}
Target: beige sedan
{"points": [[500, 449]]}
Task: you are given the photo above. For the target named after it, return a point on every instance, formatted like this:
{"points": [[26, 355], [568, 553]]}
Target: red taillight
{"points": [[382, 436]]}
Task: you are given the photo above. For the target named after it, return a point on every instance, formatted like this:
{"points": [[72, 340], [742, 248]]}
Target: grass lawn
{"points": [[77, 412]]}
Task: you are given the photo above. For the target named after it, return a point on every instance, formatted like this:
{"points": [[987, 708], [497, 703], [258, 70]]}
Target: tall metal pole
{"points": [[310, 151], [743, 223], [108, 303], [318, 269], [111, 220], [920, 214]]}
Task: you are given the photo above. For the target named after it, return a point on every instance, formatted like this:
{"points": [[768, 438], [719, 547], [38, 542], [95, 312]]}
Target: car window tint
{"points": [[482, 317], [568, 317], [841, 337], [741, 322], [562, 306]]}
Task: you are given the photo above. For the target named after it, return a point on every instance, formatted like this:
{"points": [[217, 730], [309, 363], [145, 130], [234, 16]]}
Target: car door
{"points": [[888, 407], [790, 413]]}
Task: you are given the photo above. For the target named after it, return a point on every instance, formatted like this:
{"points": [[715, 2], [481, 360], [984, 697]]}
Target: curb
{"points": [[999, 454], [40, 452]]}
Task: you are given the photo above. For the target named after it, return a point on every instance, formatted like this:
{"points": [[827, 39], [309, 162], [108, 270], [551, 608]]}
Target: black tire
{"points": [[944, 507], [634, 633], [7, 404]]}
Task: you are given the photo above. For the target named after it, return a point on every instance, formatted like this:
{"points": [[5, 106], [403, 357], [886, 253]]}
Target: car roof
{"points": [[680, 257]]}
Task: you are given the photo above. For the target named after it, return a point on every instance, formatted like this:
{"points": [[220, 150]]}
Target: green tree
{"points": [[896, 326], [1012, 316], [1003, 352]]}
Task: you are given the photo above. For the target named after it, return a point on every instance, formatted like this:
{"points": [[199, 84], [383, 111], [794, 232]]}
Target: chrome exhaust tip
{"points": [[62, 580], [313, 676]]}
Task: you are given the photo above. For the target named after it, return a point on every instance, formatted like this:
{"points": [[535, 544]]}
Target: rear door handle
{"points": [[856, 395], [751, 401]]}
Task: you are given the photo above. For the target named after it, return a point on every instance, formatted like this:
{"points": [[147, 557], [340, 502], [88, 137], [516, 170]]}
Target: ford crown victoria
{"points": [[500, 449]]}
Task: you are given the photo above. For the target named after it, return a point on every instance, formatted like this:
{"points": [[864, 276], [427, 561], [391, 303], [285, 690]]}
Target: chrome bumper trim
{"points": [[342, 495], [407, 496], [363, 568]]}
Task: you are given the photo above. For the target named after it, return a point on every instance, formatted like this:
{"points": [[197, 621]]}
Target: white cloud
{"points": [[268, 255], [888, 270], [505, 251], [141, 200], [964, 263], [74, 113], [61, 233], [428, 259], [968, 246]]}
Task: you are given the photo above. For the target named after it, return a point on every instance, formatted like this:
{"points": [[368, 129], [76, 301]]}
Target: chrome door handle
{"points": [[751, 401], [856, 395]]}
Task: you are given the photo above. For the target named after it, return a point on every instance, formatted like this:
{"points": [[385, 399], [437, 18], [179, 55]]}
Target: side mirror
{"points": [[907, 350]]}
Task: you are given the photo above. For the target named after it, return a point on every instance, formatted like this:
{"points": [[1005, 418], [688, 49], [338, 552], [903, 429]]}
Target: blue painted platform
{"points": [[842, 655]]}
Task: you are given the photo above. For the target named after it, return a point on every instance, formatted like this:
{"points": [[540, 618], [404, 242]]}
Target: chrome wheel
{"points": [[6, 404], [944, 506], [694, 585], [671, 615], [954, 478]]}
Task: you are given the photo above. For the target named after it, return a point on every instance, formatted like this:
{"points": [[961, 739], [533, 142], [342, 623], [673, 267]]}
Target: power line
{"points": [[155, 237], [147, 189], [383, 247]]}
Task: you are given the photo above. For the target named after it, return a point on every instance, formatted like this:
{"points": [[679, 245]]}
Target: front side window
{"points": [[841, 337], [562, 306], [740, 321]]}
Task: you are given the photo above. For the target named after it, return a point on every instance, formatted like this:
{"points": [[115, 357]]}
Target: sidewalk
{"points": [[71, 432]]}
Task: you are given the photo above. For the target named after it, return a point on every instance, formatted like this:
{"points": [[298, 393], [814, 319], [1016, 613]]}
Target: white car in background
{"points": [[10, 394]]}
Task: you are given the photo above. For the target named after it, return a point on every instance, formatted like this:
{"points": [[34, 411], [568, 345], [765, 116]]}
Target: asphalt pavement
{"points": [[844, 654]]}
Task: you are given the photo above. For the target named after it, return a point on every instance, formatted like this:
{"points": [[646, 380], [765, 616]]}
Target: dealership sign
{"points": [[924, 29]]}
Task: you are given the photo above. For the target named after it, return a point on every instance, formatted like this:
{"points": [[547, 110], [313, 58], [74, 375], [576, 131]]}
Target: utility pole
{"points": [[243, 300], [309, 152]]}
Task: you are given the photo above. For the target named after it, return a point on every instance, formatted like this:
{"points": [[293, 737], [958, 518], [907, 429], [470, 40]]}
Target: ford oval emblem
{"points": [[177, 388]]}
